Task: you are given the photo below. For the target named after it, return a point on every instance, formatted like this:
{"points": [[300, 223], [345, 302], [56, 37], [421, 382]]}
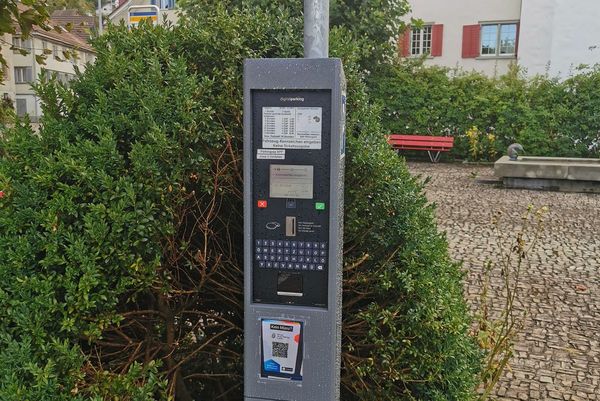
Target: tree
{"points": [[374, 24], [22, 16], [85, 6]]}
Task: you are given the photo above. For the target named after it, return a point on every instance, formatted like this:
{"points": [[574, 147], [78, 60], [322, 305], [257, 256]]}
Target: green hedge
{"points": [[121, 240], [549, 117]]}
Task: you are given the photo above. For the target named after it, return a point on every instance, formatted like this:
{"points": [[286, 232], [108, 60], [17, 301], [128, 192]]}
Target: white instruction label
{"points": [[292, 127], [270, 154]]}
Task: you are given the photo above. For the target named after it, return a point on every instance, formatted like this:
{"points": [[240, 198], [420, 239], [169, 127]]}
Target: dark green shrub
{"points": [[121, 235], [547, 116]]}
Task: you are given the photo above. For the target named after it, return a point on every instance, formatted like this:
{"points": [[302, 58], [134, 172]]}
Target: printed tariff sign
{"points": [[292, 127]]}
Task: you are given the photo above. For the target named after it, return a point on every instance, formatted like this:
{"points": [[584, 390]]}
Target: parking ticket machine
{"points": [[294, 148]]}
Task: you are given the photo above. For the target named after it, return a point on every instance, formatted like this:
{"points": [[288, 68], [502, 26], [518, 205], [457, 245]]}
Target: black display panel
{"points": [[291, 145]]}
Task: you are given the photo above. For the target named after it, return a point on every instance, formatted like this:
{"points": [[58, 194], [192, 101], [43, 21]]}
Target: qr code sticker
{"points": [[280, 350]]}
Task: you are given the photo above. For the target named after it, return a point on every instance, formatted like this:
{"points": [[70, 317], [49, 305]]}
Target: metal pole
{"points": [[316, 28], [99, 17]]}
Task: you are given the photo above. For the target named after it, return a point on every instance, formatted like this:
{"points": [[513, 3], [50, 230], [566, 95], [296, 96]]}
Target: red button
{"points": [[262, 204]]}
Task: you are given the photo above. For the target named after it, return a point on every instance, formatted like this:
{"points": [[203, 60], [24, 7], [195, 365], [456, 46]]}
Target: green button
{"points": [[320, 205]]}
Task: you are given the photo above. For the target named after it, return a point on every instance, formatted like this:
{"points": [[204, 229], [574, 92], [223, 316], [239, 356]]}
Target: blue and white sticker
{"points": [[282, 349]]}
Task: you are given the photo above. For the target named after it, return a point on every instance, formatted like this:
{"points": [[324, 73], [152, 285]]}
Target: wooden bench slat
{"points": [[422, 142], [417, 143]]}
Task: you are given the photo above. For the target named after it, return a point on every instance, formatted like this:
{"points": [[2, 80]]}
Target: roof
{"points": [[82, 24], [118, 5], [63, 37]]}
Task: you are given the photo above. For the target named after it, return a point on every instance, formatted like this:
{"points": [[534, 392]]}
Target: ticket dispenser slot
{"points": [[293, 224]]}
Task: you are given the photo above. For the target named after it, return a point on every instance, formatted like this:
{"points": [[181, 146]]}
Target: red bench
{"points": [[434, 145]]}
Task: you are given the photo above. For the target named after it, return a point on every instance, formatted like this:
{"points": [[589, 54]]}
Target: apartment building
{"points": [[64, 52], [542, 36]]}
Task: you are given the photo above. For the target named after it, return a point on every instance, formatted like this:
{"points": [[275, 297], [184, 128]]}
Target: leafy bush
{"points": [[121, 239], [547, 116]]}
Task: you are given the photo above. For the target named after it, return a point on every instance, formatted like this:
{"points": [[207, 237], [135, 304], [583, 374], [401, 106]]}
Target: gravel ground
{"points": [[557, 353]]}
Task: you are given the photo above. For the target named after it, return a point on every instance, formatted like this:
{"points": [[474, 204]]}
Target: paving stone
{"points": [[557, 353]]}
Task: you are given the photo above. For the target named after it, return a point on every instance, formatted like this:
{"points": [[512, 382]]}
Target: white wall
{"points": [[454, 14], [24, 90], [558, 35], [8, 84]]}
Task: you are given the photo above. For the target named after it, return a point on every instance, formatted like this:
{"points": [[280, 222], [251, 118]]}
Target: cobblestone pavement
{"points": [[557, 353]]}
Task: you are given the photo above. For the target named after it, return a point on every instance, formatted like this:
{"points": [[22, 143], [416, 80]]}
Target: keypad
{"points": [[290, 255]]}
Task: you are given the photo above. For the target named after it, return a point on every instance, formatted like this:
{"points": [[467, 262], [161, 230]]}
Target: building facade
{"points": [[64, 52], [542, 36]]}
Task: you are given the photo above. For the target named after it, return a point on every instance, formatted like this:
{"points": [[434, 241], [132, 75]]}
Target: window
{"points": [[23, 75], [427, 40], [21, 44], [164, 4], [498, 39], [420, 42], [55, 50], [21, 107]]}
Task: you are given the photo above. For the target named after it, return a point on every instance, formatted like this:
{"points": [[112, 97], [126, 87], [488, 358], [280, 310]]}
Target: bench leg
{"points": [[434, 159]]}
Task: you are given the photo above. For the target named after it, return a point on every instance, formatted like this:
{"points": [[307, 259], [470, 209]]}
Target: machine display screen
{"points": [[290, 181]]}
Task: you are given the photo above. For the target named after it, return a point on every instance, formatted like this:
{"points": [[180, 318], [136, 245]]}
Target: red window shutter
{"points": [[517, 38], [437, 33], [404, 43], [471, 42]]}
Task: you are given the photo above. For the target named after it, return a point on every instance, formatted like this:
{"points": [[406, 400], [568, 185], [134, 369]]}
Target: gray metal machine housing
{"points": [[321, 319]]}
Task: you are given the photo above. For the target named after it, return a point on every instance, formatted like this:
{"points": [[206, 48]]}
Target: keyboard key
{"points": [[259, 242], [304, 266], [301, 244], [308, 245], [297, 266], [323, 245], [279, 251], [301, 252], [315, 252], [287, 251], [280, 243], [290, 265], [322, 260], [258, 256], [294, 259], [262, 264], [294, 244], [301, 259], [322, 253], [308, 259], [275, 265], [287, 244], [311, 266], [269, 265], [265, 250], [272, 242], [315, 245], [258, 249], [272, 258], [294, 251], [286, 258], [279, 258], [320, 267]]}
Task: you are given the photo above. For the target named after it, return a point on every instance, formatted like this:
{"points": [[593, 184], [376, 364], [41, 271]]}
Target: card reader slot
{"points": [[290, 226]]}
